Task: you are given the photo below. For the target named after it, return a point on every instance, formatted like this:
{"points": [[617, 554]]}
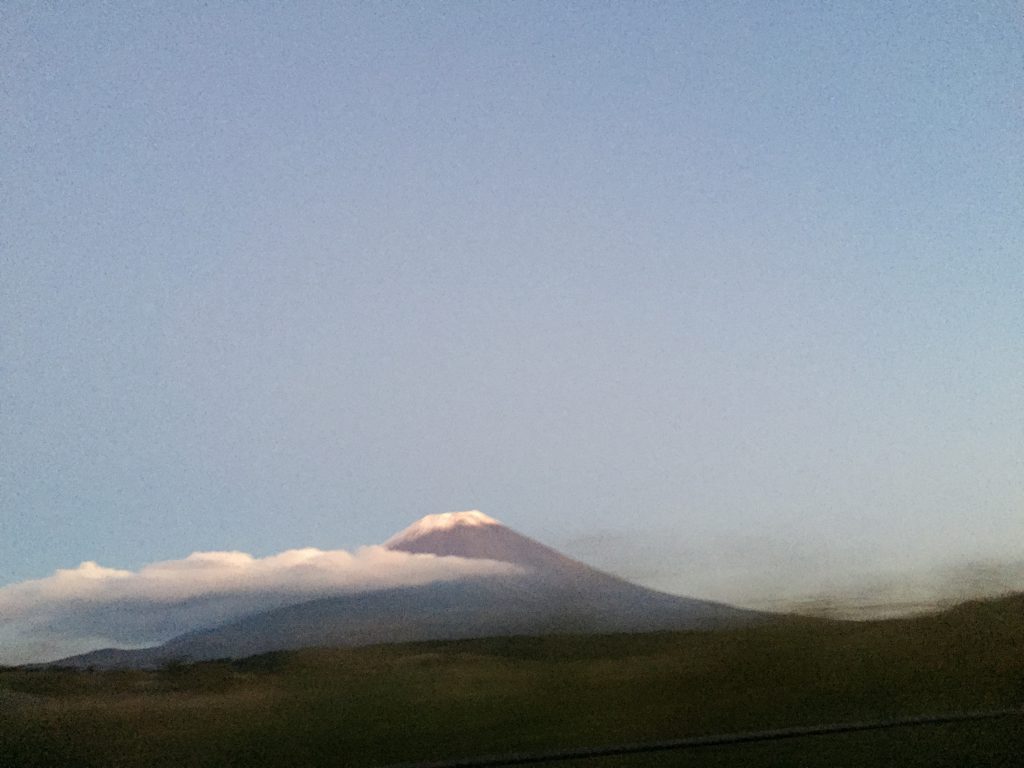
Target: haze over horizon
{"points": [[723, 299], [91, 607]]}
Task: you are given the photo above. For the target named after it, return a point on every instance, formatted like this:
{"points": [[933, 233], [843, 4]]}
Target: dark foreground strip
{"points": [[719, 740]]}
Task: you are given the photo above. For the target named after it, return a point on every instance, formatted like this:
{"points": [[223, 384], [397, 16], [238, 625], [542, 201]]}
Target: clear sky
{"points": [[734, 289]]}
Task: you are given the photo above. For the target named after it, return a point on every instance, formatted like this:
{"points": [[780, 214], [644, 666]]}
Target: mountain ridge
{"points": [[553, 594]]}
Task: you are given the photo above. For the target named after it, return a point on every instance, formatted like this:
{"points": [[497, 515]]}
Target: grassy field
{"points": [[431, 701]]}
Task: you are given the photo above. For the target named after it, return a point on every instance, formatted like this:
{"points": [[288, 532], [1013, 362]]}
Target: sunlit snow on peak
{"points": [[441, 522]]}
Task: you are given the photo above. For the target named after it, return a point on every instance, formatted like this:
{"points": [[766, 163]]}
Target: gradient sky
{"points": [[728, 288]]}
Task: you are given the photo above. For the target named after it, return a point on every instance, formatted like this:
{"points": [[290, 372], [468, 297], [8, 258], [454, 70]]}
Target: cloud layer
{"points": [[92, 606]]}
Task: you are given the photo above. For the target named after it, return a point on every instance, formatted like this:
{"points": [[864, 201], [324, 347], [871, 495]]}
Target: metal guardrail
{"points": [[718, 740]]}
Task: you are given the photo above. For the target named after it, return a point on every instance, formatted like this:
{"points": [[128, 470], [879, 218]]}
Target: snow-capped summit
{"points": [[444, 521], [475, 535]]}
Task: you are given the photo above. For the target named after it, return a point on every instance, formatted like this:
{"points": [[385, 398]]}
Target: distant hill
{"points": [[552, 594], [446, 700]]}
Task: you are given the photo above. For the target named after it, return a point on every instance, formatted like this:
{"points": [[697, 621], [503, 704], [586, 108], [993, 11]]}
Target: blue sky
{"points": [[660, 284]]}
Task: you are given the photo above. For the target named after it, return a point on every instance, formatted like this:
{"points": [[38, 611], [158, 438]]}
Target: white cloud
{"points": [[92, 606]]}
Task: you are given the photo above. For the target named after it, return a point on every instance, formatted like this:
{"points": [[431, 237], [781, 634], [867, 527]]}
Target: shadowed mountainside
{"points": [[390, 704]]}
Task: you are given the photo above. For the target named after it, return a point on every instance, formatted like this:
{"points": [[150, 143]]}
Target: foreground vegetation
{"points": [[431, 701]]}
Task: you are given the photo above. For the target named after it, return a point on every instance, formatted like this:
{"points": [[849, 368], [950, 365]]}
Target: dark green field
{"points": [[430, 701]]}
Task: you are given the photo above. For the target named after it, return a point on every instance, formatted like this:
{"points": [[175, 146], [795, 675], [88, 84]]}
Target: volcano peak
{"points": [[474, 535], [445, 521]]}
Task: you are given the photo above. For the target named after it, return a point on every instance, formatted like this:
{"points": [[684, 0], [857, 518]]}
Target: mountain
{"points": [[550, 593]]}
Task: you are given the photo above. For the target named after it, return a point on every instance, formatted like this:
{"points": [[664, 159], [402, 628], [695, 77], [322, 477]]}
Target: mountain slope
{"points": [[474, 535], [551, 594]]}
